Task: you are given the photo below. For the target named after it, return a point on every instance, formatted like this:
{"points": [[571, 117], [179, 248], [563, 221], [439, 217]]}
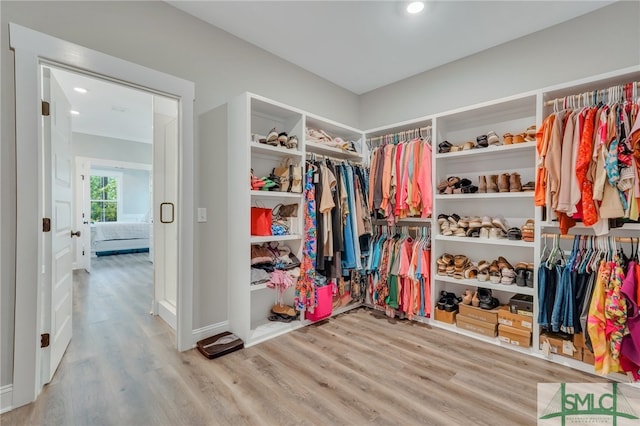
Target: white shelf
{"points": [[278, 151], [320, 149], [259, 287], [513, 288], [490, 150], [483, 195], [263, 239], [275, 194], [489, 241]]}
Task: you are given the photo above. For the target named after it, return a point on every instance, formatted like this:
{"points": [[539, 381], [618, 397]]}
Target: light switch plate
{"points": [[202, 214]]}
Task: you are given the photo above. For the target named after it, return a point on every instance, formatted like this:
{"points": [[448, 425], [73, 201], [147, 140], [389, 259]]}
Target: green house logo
{"points": [[588, 405]]}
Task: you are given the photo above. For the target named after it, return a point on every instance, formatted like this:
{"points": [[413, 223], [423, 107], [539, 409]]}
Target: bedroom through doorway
{"points": [[124, 146]]}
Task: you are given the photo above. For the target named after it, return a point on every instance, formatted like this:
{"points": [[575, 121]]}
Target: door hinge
{"points": [[44, 340], [82, 176], [46, 224], [45, 108], [83, 252]]}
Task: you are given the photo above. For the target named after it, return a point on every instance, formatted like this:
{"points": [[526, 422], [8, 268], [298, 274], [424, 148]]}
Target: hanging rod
{"points": [[590, 94], [572, 237], [421, 129]]}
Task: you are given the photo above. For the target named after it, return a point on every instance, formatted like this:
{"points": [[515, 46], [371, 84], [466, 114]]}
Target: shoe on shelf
{"points": [[496, 233], [475, 301], [487, 301], [486, 222], [482, 184], [283, 138], [444, 146], [514, 183], [492, 183], [483, 271], [484, 233], [475, 222], [508, 138], [494, 272], [521, 274], [499, 222], [529, 275], [529, 186], [508, 275], [467, 297], [272, 137], [493, 138], [519, 138], [503, 182], [482, 141], [292, 142], [514, 234]]}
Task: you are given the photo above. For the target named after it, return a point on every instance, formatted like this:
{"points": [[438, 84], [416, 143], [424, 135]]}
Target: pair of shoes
{"points": [[455, 185], [514, 234], [488, 183], [256, 184], [521, 274], [276, 138], [448, 302], [509, 182], [444, 262], [467, 297], [460, 263], [483, 271], [528, 230], [529, 186], [486, 299], [292, 142], [444, 146]]}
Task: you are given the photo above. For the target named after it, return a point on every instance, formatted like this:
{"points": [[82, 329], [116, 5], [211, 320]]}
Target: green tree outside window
{"points": [[104, 199]]}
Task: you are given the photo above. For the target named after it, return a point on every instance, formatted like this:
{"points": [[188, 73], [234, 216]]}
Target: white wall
{"points": [[158, 36], [602, 41], [93, 146]]}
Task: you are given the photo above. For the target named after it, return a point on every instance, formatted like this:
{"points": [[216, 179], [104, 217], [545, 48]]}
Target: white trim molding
{"points": [[6, 398], [32, 49], [208, 331]]}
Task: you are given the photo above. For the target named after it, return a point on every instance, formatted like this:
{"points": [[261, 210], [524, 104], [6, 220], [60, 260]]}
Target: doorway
{"points": [[30, 48]]}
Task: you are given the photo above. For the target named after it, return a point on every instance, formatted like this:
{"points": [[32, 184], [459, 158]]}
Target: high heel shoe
{"points": [[475, 301]]}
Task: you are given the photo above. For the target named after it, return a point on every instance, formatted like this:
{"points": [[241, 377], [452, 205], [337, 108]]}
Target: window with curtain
{"points": [[104, 198]]}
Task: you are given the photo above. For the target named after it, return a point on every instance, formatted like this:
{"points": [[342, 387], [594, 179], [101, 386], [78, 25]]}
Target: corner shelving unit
{"points": [[248, 115]]}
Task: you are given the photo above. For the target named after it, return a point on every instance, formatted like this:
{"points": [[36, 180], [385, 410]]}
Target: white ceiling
{"points": [[363, 45], [112, 110]]}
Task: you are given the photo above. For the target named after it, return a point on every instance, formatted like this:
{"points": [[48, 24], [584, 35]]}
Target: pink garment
{"points": [[630, 348], [424, 181]]}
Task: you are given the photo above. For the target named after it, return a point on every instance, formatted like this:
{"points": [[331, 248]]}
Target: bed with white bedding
{"points": [[109, 238]]}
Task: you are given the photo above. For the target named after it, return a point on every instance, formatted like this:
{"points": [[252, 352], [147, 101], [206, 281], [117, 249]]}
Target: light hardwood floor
{"points": [[356, 369]]}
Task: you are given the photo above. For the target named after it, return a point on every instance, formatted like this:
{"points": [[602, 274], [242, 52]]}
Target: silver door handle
{"points": [[75, 234]]}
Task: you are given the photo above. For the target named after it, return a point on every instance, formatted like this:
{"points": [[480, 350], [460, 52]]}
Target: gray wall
{"points": [[93, 146], [602, 41], [158, 36]]}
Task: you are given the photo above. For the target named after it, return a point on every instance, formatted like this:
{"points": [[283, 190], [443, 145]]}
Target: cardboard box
{"points": [[444, 316], [485, 315], [522, 322], [579, 340], [521, 304], [561, 347], [476, 325], [514, 336], [587, 356]]}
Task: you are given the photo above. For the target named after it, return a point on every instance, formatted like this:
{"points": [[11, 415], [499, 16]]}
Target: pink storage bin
{"points": [[325, 304]]}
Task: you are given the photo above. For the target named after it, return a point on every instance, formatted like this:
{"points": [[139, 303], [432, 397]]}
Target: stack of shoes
{"points": [[499, 271], [486, 299], [283, 313], [460, 263], [528, 230], [529, 135], [448, 302], [507, 273], [455, 185], [445, 265], [504, 182]]}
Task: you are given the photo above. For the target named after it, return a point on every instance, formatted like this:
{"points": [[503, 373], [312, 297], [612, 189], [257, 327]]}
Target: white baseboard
{"points": [[208, 331], [6, 398], [167, 312]]}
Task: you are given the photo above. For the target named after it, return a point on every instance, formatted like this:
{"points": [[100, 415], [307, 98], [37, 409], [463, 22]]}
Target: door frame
{"points": [[32, 48], [77, 191]]}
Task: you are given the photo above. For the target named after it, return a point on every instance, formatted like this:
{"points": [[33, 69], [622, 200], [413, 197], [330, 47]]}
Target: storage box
{"points": [[522, 322], [560, 346], [325, 304], [579, 340], [521, 304], [486, 315], [220, 344], [587, 356], [475, 325], [444, 316], [514, 336]]}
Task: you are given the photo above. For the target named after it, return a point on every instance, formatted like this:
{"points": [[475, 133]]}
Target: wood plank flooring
{"points": [[359, 368]]}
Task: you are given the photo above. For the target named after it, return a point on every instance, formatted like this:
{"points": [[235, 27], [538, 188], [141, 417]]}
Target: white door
{"points": [[165, 210], [57, 289]]}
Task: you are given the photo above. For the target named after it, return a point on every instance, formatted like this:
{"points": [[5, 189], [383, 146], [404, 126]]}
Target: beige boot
{"points": [[482, 184], [503, 183], [514, 183], [492, 183]]}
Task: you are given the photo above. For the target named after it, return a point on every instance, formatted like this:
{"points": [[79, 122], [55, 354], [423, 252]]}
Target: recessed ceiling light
{"points": [[74, 112], [80, 90], [415, 7]]}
